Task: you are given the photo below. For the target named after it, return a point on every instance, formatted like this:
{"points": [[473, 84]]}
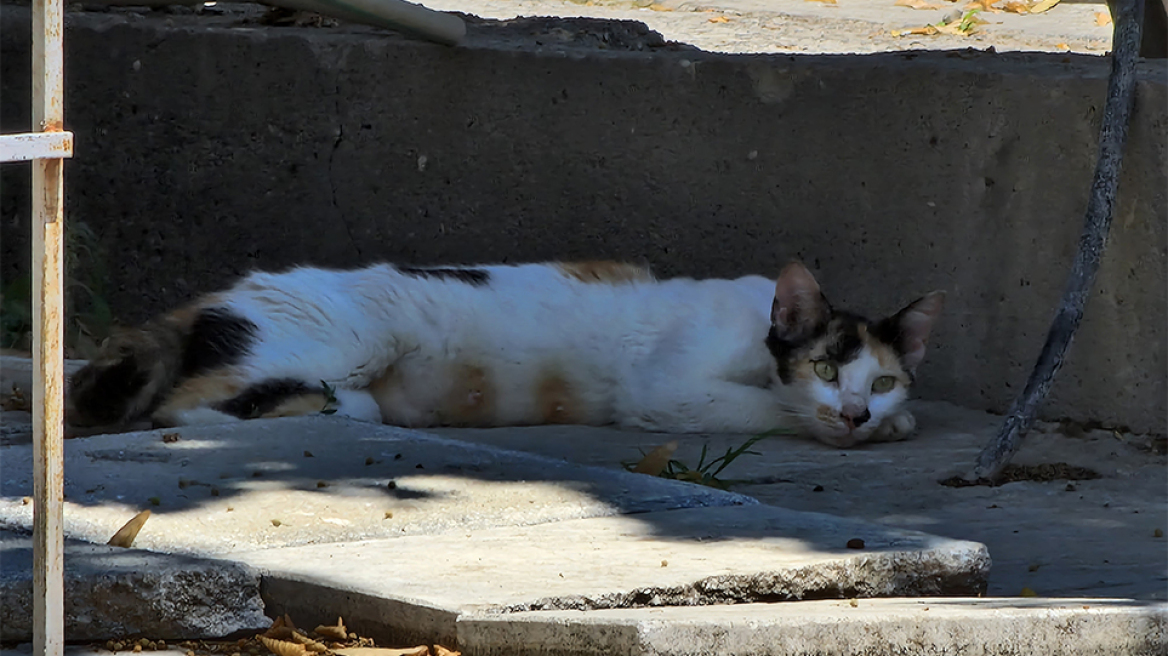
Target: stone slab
{"points": [[1096, 538], [110, 592], [937, 627], [700, 556], [283, 482]]}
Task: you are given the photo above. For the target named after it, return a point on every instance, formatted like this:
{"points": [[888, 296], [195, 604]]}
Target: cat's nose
{"points": [[855, 420]]}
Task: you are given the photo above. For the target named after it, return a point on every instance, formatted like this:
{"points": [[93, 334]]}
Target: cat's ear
{"points": [[908, 330], [799, 306]]}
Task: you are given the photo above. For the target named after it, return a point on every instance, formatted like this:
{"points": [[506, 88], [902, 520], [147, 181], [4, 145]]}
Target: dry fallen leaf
{"points": [[336, 632], [983, 5], [279, 632], [1062, 46], [1102, 18], [826, 2], [657, 6], [1016, 7], [1027, 592], [126, 534], [917, 4], [420, 650], [439, 650], [927, 30], [718, 19], [16, 400], [656, 460], [283, 647], [1042, 5]]}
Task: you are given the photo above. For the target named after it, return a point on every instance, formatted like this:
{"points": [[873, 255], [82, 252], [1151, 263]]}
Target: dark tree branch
{"points": [[1116, 114]]}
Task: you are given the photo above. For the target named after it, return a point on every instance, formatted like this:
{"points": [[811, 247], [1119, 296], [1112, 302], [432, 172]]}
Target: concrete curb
{"points": [[937, 627]]}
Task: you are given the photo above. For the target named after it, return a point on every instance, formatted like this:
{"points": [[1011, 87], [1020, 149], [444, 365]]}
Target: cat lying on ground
{"points": [[571, 343]]}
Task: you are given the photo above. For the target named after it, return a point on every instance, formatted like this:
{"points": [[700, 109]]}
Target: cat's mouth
{"points": [[841, 433]]}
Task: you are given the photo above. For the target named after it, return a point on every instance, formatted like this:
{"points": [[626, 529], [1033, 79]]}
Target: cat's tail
{"points": [[131, 373]]}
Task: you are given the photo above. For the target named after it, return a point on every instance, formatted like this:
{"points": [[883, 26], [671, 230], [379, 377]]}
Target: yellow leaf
{"points": [[826, 2], [421, 650], [1043, 5], [126, 534], [1102, 18], [983, 5], [927, 30], [283, 647], [656, 460], [719, 19], [1062, 46], [1027, 592], [336, 632], [657, 6], [917, 4], [1016, 7]]}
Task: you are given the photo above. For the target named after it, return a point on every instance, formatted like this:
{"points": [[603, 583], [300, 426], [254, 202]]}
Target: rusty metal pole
{"points": [[48, 93]]}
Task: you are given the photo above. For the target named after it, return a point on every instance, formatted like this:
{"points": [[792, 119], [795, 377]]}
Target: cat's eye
{"points": [[826, 370], [883, 384]]}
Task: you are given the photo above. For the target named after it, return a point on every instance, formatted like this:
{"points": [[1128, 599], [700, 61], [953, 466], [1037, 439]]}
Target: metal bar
{"points": [[35, 145], [48, 93]]}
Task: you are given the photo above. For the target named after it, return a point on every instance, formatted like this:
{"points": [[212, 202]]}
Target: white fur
{"points": [[677, 355]]}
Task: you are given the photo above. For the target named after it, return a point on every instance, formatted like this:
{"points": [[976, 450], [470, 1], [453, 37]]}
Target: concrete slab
{"points": [[939, 627], [111, 591], [687, 557], [1097, 538], [283, 482]]}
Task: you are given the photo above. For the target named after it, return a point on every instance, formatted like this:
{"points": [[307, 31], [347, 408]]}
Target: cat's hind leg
{"points": [[224, 397]]}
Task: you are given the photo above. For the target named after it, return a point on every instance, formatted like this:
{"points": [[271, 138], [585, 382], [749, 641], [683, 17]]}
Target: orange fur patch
{"points": [[470, 399], [307, 404], [202, 390], [605, 272], [826, 415], [556, 402], [884, 354]]}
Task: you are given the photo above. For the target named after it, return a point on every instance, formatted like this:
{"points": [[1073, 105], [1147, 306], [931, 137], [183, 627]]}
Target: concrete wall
{"points": [[205, 150]]}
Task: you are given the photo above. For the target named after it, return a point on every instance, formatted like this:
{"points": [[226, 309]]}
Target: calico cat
{"points": [[573, 343]]}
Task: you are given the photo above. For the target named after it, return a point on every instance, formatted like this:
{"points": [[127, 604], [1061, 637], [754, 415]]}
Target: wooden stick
{"points": [[1093, 241], [48, 92]]}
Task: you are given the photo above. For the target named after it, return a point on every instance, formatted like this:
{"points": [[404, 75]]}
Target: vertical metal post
{"points": [[48, 92]]}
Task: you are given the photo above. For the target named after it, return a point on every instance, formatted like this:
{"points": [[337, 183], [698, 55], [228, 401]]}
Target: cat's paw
{"points": [[643, 423], [899, 426]]}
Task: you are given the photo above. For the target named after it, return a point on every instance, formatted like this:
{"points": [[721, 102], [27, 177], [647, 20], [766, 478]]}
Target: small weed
{"points": [[706, 473], [330, 400], [89, 318]]}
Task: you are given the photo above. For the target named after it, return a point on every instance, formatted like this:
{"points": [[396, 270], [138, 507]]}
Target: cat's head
{"points": [[843, 375], [122, 383]]}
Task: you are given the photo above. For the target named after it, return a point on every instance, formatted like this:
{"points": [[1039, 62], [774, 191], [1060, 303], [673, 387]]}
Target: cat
{"points": [[570, 343]]}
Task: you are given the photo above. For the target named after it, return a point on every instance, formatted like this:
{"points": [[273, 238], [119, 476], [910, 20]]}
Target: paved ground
{"points": [[823, 26], [515, 541], [1057, 538]]}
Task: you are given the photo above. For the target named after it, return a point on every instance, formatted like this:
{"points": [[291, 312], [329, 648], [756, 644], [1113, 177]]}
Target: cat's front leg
{"points": [[705, 407], [896, 427]]}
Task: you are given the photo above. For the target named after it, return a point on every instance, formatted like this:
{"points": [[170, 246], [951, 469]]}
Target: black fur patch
{"points": [[102, 395], [264, 397], [476, 277], [217, 338], [842, 333], [890, 332], [844, 341]]}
